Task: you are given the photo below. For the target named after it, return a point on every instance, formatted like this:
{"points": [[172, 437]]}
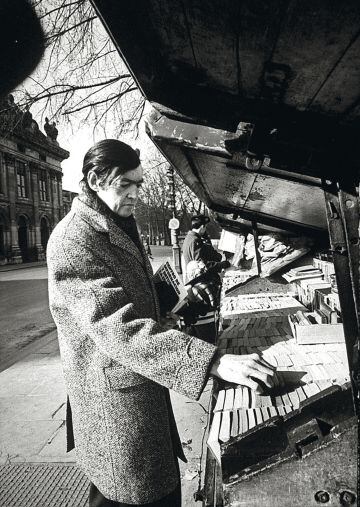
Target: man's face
{"points": [[121, 191]]}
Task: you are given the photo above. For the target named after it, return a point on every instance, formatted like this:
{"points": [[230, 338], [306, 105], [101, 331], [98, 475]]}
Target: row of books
{"points": [[314, 288], [303, 273], [317, 295], [302, 371], [326, 267], [316, 317], [246, 303]]}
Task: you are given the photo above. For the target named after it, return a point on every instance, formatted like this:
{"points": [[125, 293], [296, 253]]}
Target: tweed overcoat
{"points": [[118, 361]]}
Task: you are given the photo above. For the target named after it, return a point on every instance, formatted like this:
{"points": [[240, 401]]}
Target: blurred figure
{"points": [[147, 246], [202, 260]]}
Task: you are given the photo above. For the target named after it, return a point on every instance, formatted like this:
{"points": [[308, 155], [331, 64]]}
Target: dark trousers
{"points": [[96, 499]]}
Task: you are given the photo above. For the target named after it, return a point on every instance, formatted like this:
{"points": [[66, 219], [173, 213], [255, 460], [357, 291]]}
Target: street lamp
{"points": [[174, 222]]}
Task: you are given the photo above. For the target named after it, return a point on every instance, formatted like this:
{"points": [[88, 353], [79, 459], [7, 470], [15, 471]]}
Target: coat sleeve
{"points": [[104, 313], [206, 253]]}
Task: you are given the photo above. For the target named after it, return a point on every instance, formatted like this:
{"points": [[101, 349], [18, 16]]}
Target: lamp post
{"points": [[174, 222]]}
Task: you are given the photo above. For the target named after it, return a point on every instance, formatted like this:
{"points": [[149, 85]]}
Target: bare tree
{"points": [[186, 201], [82, 78], [153, 212]]}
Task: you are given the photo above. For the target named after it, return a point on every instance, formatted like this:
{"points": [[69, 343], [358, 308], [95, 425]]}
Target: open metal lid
{"points": [[257, 107], [232, 182], [256, 102], [223, 62]]}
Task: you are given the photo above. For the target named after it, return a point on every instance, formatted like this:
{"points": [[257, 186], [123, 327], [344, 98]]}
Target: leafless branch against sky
{"points": [[82, 79]]}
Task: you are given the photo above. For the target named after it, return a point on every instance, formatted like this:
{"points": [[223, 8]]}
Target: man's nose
{"points": [[133, 192]]}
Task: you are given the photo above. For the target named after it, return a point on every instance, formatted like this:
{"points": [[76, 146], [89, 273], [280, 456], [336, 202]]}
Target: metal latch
{"points": [[305, 437]]}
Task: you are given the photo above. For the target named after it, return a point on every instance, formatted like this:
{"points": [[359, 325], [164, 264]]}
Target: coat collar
{"points": [[106, 225], [194, 234], [117, 237]]}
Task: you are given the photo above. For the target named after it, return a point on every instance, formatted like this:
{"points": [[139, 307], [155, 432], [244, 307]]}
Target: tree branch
{"points": [[60, 34], [63, 6], [73, 88], [70, 111]]}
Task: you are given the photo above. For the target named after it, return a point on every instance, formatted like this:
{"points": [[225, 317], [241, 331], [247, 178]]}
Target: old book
{"points": [[258, 416], [294, 399], [220, 401], [234, 424], [224, 433], [281, 410], [251, 418], [265, 414], [246, 398], [301, 394], [272, 411], [319, 316], [213, 438], [301, 318], [244, 420], [240, 422], [319, 333], [238, 398], [229, 399]]}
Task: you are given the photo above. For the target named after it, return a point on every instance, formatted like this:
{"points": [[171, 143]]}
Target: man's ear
{"points": [[92, 180]]}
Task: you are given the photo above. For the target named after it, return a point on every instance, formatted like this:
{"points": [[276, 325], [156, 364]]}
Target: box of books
{"points": [[312, 327]]}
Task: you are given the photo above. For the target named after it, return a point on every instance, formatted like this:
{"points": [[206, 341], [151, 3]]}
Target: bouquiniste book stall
{"points": [[256, 106]]}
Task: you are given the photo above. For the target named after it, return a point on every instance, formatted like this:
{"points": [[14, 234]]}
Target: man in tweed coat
{"points": [[118, 361]]}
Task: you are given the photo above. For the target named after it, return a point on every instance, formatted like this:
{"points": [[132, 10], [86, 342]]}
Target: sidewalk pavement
{"points": [[161, 253], [12, 267], [32, 434]]}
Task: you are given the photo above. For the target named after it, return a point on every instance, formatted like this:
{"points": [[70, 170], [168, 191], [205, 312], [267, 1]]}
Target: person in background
{"points": [[147, 246], [201, 257], [197, 246], [119, 362]]}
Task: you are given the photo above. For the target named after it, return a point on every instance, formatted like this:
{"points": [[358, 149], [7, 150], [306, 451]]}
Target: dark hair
{"points": [[105, 155]]}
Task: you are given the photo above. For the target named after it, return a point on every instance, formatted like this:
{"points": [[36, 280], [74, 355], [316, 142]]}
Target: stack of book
{"points": [[327, 304], [303, 273], [326, 266], [303, 372], [307, 290], [307, 280], [259, 302], [234, 278], [313, 287]]}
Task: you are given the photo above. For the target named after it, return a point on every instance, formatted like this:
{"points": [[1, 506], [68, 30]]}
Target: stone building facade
{"points": [[31, 195], [68, 198]]}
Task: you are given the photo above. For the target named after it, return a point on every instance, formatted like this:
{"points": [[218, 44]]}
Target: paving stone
{"points": [[55, 447], [22, 439], [30, 408], [18, 382]]}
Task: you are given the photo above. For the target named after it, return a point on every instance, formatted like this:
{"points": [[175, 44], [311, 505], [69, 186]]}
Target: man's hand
{"points": [[247, 370]]}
